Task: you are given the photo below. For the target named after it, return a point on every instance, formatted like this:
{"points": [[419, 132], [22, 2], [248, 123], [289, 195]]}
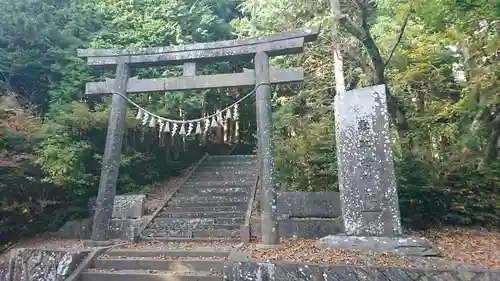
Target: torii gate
{"points": [[258, 48]]}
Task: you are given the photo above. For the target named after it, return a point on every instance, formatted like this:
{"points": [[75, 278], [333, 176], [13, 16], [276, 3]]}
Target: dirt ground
{"points": [[478, 248]]}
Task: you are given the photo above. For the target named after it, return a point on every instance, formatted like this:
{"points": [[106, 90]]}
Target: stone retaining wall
{"points": [[124, 229], [43, 265], [257, 271], [309, 204], [128, 216], [131, 206], [305, 215], [302, 228]]}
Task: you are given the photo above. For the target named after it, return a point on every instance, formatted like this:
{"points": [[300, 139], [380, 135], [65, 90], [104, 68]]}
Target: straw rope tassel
{"points": [[182, 131], [214, 122], [161, 125], [198, 128], [145, 118], [174, 129], [236, 118], [152, 122], [228, 125], [207, 125], [139, 115], [190, 129]]}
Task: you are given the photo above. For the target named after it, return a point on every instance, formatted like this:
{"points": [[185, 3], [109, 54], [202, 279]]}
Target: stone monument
{"points": [[368, 193]]}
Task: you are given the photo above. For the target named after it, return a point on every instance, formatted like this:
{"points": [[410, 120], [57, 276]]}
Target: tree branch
{"points": [[361, 60], [400, 36], [353, 29], [364, 36]]}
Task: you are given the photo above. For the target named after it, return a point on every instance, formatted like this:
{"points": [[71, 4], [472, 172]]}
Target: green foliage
{"points": [[305, 160], [26, 205], [35, 36], [61, 159]]}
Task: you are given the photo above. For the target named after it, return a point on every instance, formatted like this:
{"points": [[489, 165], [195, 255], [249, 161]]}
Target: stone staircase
{"points": [[212, 203], [157, 265], [208, 209]]}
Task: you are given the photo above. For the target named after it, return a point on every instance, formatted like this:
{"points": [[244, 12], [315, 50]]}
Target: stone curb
{"points": [[12, 255], [236, 255], [245, 232], [283, 271]]}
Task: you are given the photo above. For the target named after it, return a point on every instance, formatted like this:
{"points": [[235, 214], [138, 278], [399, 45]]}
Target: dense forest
{"points": [[439, 58]]}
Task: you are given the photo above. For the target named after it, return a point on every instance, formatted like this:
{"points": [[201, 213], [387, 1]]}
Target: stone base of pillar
{"points": [[407, 246]]}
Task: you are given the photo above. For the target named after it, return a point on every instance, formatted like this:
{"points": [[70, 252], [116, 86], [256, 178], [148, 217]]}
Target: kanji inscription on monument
{"points": [[370, 204]]}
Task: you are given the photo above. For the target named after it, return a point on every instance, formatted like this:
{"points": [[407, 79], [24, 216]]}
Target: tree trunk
{"points": [[363, 34], [337, 54], [491, 152]]}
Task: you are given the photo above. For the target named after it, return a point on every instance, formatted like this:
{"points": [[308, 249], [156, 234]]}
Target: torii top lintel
{"points": [[283, 43]]}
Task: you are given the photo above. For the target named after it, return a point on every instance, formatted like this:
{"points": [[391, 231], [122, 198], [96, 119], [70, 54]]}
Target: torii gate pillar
{"points": [[112, 152], [269, 224]]}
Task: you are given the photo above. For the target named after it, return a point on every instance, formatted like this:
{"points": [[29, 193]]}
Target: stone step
{"points": [[234, 156], [192, 233], [189, 240], [246, 169], [149, 253], [227, 168], [189, 265], [231, 162], [207, 205], [219, 183], [176, 200], [228, 172], [202, 214], [138, 275], [213, 189], [220, 178], [211, 193], [161, 222], [178, 227], [175, 209]]}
